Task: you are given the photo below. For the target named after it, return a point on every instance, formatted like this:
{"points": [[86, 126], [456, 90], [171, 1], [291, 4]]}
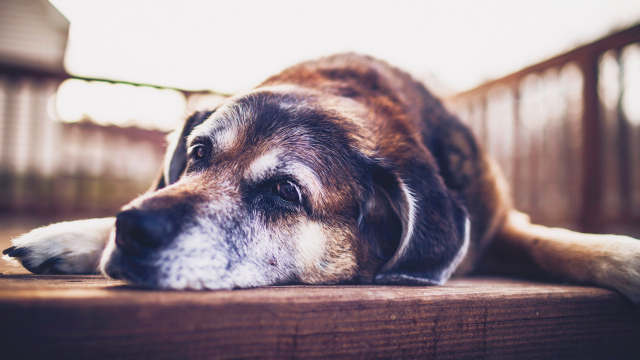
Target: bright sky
{"points": [[230, 46]]}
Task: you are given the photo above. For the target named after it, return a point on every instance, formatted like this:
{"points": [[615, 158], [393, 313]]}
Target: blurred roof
{"points": [[33, 34]]}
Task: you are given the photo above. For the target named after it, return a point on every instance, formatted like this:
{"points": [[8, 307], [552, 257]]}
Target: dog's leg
{"points": [[73, 247], [610, 261]]}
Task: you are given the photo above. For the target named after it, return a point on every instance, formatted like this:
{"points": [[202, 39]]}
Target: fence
{"points": [[65, 170], [566, 131]]}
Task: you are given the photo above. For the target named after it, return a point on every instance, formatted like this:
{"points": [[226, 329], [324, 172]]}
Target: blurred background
{"points": [[89, 89]]}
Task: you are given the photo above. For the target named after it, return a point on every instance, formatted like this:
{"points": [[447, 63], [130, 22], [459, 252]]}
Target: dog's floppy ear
{"points": [[175, 160], [435, 227]]}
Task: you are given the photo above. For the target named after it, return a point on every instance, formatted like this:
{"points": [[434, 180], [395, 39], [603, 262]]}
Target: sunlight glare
{"points": [[631, 84], [119, 104]]}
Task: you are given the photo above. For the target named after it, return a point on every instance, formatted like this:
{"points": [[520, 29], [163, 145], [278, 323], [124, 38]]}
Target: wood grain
{"points": [[82, 317]]}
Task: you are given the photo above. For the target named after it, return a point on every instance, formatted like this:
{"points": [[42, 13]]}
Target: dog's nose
{"points": [[138, 230]]}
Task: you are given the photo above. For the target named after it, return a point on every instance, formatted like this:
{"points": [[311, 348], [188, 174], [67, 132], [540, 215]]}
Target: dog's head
{"points": [[282, 185]]}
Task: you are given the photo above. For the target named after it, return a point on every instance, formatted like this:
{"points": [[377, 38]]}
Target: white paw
{"points": [[620, 268], [73, 247]]}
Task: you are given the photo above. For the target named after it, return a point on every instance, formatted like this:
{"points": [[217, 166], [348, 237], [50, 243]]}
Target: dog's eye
{"points": [[287, 191], [199, 152]]}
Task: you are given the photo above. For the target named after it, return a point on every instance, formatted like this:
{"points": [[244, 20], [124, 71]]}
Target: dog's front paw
{"points": [[73, 247], [620, 267]]}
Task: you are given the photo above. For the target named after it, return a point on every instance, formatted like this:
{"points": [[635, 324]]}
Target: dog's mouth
{"points": [[133, 252], [189, 262], [137, 268]]}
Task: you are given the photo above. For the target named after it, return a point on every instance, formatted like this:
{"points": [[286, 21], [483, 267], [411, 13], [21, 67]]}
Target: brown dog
{"points": [[341, 170]]}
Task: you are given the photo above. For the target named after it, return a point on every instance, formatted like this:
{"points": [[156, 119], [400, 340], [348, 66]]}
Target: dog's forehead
{"points": [[266, 117], [223, 126], [265, 134], [241, 110]]}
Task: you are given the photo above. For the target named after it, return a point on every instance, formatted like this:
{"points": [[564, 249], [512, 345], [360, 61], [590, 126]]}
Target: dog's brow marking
{"points": [[205, 129], [263, 164], [225, 138], [223, 126]]}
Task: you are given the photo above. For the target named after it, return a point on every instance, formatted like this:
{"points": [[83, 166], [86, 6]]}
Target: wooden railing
{"points": [[566, 132], [61, 170]]}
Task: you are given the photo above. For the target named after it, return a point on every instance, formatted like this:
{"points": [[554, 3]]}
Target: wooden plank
{"points": [[82, 317]]}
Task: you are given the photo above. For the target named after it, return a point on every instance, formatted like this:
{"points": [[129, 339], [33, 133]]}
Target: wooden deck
{"points": [[90, 317]]}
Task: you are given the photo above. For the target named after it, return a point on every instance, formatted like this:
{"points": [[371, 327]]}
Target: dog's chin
{"points": [[144, 273], [156, 271]]}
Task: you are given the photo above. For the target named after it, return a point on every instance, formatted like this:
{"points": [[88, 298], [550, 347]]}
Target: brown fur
{"points": [[393, 103]]}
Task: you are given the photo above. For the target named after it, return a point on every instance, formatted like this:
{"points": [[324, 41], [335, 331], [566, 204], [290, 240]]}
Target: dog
{"points": [[341, 170]]}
